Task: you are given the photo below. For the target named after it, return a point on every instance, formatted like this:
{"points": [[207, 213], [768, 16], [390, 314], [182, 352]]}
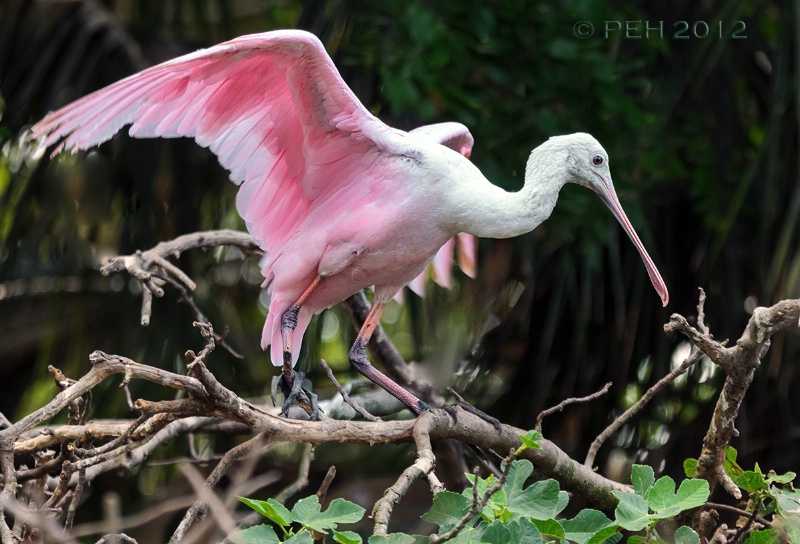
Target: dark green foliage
{"points": [[308, 514], [516, 512]]}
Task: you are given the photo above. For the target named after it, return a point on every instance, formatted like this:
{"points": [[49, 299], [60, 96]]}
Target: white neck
{"points": [[496, 213]]}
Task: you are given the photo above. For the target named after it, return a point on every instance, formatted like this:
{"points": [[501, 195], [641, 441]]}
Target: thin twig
{"points": [[199, 316], [354, 405], [701, 314], [118, 538], [199, 508], [151, 267], [739, 511], [744, 529], [211, 502], [301, 481], [319, 537], [147, 516], [476, 507], [76, 498], [435, 484], [326, 483], [566, 402], [623, 418], [35, 518]]}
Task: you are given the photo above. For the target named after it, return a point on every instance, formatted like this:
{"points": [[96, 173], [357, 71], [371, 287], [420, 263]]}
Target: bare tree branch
{"points": [[80, 452], [422, 466], [740, 363]]}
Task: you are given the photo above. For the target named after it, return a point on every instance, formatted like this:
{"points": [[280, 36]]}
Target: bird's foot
{"points": [[294, 392], [467, 407]]}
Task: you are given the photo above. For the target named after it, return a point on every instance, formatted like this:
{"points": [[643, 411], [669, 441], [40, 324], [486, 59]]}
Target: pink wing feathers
{"points": [[271, 106]]}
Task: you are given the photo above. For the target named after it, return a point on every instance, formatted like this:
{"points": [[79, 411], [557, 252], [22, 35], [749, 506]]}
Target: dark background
{"points": [[703, 139]]}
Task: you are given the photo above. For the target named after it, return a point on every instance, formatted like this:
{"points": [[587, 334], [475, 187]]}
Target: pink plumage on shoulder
{"points": [[322, 181]]}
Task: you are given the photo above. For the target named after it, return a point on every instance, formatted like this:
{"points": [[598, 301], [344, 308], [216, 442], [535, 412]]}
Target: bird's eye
{"points": [[597, 160]]}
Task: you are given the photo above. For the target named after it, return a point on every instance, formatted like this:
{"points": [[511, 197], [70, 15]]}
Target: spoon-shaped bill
{"points": [[605, 190]]}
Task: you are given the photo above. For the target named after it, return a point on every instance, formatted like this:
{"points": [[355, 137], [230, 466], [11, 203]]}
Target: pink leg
{"points": [[291, 382], [289, 321], [358, 358]]}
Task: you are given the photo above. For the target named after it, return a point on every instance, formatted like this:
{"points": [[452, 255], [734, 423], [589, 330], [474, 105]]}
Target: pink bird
{"points": [[338, 200]]}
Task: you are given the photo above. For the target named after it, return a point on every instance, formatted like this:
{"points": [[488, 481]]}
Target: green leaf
{"points": [[609, 535], [470, 535], [632, 512], [690, 467], [780, 478], [531, 439], [730, 465], [751, 481], [585, 525], [257, 534], [549, 527], [522, 530], [447, 510], [788, 501], [691, 494], [394, 538], [306, 509], [642, 478], [346, 537], [636, 539], [270, 509], [663, 500], [767, 536], [542, 500], [518, 474], [790, 525], [307, 512], [686, 535], [497, 533], [303, 537]]}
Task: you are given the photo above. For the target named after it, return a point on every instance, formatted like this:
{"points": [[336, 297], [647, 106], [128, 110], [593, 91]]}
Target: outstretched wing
{"points": [[271, 106]]}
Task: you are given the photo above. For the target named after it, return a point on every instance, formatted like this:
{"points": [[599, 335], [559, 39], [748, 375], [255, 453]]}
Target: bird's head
{"points": [[587, 165]]}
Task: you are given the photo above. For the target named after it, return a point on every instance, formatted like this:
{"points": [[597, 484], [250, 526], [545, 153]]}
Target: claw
{"points": [[451, 411], [290, 393], [294, 393], [460, 402], [493, 421], [273, 390]]}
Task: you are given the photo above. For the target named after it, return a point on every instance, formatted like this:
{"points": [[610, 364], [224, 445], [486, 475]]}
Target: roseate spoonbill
{"points": [[338, 200]]}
